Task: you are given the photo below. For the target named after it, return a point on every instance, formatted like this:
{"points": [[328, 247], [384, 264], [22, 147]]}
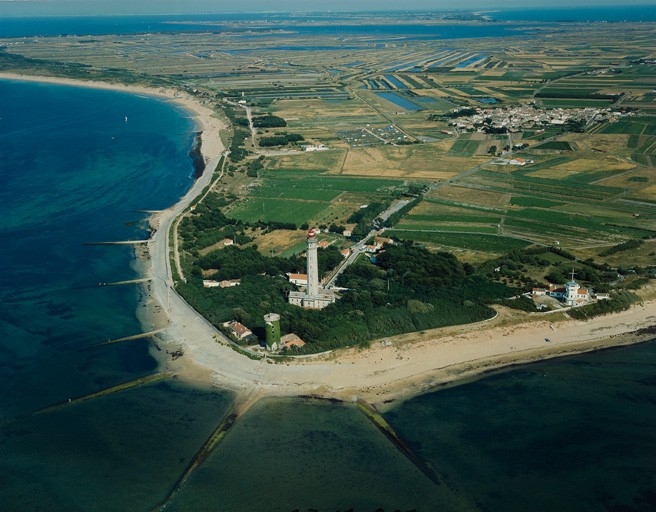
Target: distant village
{"points": [[528, 117]]}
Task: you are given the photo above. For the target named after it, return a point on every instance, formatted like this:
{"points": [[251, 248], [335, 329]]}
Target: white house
{"points": [[297, 279]]}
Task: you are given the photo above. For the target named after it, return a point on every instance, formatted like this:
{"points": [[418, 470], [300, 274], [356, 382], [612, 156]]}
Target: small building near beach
{"points": [[238, 330], [227, 283], [291, 340], [571, 294]]}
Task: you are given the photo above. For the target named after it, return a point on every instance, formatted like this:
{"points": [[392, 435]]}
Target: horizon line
{"points": [[329, 11]]}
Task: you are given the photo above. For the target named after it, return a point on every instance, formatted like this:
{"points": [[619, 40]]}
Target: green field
{"points": [[278, 210], [533, 201], [302, 196], [313, 181], [473, 242], [574, 103], [558, 145], [282, 189], [436, 228], [464, 148], [518, 181], [631, 126], [453, 217]]}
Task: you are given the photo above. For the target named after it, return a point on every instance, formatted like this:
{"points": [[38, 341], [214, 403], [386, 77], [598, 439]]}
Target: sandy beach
{"points": [[407, 365], [392, 369]]}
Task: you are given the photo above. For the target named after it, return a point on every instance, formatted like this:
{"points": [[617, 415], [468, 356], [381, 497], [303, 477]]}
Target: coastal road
{"points": [[356, 250], [249, 116], [158, 244], [176, 222]]}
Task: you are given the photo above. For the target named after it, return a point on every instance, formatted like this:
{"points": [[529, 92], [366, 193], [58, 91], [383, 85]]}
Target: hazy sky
{"points": [[69, 7]]}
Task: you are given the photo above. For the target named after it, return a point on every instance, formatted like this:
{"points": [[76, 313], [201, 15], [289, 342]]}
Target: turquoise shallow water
{"points": [[72, 170], [574, 434]]}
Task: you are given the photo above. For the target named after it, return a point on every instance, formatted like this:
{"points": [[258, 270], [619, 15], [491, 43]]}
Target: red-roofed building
{"points": [[381, 240], [297, 279], [291, 340], [240, 331]]}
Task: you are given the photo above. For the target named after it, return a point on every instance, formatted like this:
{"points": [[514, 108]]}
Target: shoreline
{"points": [[151, 309], [403, 367]]}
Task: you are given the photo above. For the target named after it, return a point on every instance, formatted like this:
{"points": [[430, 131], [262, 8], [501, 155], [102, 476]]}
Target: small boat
{"points": [[126, 119]]}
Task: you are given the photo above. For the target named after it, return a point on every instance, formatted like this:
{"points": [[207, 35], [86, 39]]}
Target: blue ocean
{"points": [[576, 13], [75, 165], [335, 23], [264, 23]]}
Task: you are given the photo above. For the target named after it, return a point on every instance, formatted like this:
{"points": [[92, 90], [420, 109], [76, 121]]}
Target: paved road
{"points": [[358, 247]]}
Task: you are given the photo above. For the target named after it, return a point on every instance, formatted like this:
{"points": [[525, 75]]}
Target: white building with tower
{"points": [[314, 296], [571, 294]]}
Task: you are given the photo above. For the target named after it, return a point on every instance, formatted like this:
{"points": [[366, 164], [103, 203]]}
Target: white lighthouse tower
{"points": [[314, 297], [312, 265]]}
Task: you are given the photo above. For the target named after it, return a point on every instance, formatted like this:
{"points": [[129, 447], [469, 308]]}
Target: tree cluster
{"points": [[365, 217], [410, 289], [280, 140], [393, 219], [269, 122], [625, 246], [619, 302]]}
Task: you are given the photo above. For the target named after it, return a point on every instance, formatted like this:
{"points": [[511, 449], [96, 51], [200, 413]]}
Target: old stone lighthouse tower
{"points": [[315, 296], [312, 265]]}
